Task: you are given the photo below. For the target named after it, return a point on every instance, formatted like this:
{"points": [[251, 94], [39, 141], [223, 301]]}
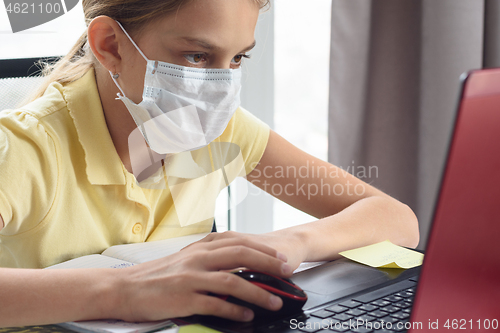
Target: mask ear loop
{"points": [[132, 41], [138, 49]]}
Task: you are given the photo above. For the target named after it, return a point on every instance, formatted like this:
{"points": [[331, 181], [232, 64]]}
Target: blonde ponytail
{"points": [[69, 68]]}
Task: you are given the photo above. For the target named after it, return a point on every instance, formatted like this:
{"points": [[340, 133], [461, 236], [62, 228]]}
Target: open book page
{"points": [[93, 261], [142, 252]]}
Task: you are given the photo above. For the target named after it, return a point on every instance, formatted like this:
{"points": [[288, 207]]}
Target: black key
{"points": [[388, 319], [332, 321], [342, 316], [300, 317], [313, 324], [380, 302], [340, 328], [365, 318], [411, 290], [378, 313], [407, 310], [400, 327], [393, 298], [402, 304], [322, 314], [309, 329], [362, 329], [404, 294], [356, 312], [336, 308], [390, 309], [400, 315], [386, 291], [368, 307], [350, 304]]}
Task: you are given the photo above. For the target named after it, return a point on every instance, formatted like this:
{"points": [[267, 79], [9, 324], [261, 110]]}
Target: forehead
{"points": [[225, 23]]}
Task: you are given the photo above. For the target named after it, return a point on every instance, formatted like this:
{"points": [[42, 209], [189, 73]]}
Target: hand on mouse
{"points": [[282, 241], [177, 285]]}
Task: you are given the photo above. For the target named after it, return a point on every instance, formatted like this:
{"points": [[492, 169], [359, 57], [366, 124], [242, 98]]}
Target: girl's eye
{"points": [[238, 59], [195, 59]]}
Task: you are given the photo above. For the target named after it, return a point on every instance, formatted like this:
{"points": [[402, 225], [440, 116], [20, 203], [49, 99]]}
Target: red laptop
{"points": [[458, 287]]}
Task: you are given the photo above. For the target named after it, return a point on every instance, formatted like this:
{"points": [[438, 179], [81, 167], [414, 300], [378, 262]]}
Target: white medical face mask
{"points": [[183, 108]]}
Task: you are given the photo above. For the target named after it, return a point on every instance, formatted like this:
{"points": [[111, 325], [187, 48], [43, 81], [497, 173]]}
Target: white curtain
{"points": [[394, 86]]}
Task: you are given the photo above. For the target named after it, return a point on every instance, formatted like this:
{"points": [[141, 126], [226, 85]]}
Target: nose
{"points": [[222, 63]]}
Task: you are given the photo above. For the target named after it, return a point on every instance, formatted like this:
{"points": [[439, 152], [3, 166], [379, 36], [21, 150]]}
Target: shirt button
{"points": [[137, 228]]}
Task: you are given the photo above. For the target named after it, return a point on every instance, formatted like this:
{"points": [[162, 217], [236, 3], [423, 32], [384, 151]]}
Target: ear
{"points": [[106, 41]]}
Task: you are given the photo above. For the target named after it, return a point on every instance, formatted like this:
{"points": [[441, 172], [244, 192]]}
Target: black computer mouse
{"points": [[292, 295]]}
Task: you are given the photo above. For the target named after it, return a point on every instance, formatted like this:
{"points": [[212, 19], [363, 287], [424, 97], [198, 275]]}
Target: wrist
{"points": [[111, 294], [302, 239], [296, 243]]}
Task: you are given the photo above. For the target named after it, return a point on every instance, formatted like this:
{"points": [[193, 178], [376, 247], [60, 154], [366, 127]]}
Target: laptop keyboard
{"points": [[383, 310]]}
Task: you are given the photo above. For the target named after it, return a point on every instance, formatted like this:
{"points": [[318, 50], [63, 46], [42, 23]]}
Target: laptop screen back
{"points": [[459, 285]]}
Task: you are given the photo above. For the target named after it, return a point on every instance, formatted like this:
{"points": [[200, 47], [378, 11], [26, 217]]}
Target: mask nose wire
{"points": [[137, 48]]}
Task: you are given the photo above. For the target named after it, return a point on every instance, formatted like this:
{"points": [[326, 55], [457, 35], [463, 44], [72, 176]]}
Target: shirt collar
{"points": [[104, 166]]}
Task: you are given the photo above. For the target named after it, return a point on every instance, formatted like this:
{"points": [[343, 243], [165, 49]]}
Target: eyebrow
{"points": [[208, 46]]}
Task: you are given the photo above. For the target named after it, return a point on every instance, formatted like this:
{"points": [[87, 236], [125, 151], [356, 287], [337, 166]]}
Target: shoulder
{"points": [[30, 125], [51, 102], [28, 170]]}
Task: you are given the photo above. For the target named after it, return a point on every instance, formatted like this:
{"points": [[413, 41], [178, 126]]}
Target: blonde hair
{"points": [[132, 14]]}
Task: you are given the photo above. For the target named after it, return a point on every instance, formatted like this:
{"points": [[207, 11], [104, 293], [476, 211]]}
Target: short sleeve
{"points": [[28, 172], [250, 134]]}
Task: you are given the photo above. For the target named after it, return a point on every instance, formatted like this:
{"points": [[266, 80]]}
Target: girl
{"points": [[68, 186]]}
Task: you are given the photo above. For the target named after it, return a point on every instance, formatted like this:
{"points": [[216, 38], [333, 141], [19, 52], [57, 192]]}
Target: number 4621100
{"points": [[26, 8], [462, 324]]}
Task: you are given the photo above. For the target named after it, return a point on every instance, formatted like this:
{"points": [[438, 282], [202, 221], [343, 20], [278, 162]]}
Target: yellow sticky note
{"points": [[386, 255]]}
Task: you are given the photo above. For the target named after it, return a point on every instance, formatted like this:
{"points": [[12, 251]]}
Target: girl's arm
{"points": [[174, 286], [351, 213], [38, 297]]}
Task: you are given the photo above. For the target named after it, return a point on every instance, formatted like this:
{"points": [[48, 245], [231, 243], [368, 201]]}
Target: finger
{"points": [[221, 235], [229, 284], [207, 239], [231, 257], [210, 305], [247, 242]]}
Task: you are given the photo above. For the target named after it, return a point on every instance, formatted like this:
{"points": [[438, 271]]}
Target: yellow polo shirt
{"points": [[64, 191]]}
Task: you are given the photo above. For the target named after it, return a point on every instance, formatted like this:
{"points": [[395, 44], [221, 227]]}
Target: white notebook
{"points": [[120, 256]]}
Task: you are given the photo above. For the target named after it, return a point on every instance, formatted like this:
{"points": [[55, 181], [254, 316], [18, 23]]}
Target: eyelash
{"points": [[247, 56]]}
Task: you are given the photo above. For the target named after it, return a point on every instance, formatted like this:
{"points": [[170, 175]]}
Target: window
{"points": [[301, 66], [53, 38]]}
